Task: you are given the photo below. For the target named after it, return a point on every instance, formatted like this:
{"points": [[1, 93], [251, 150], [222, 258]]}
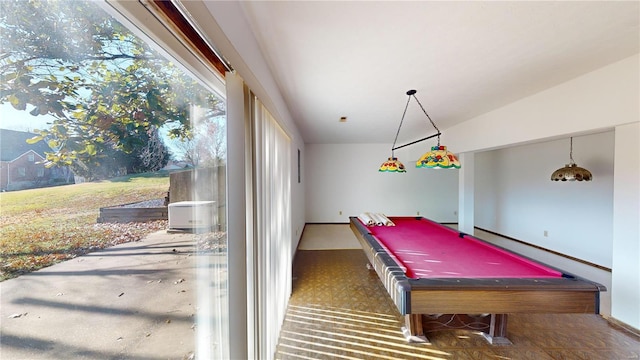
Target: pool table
{"points": [[440, 278]]}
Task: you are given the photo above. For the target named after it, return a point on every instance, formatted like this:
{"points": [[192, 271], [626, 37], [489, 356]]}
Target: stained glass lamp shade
{"points": [[438, 158], [392, 165]]}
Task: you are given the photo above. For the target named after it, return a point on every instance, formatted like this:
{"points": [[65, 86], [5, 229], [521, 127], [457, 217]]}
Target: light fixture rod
{"points": [[413, 93], [417, 141]]}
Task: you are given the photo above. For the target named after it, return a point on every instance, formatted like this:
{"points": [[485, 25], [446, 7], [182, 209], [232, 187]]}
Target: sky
{"points": [[13, 119]]}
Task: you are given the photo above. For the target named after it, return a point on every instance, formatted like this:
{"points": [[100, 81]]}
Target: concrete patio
{"points": [[131, 301]]}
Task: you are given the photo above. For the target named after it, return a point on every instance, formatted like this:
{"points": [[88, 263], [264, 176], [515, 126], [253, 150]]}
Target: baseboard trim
{"points": [[623, 326], [603, 268]]}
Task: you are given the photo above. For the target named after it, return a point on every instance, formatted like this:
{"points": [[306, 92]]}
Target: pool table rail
{"points": [[390, 273]]}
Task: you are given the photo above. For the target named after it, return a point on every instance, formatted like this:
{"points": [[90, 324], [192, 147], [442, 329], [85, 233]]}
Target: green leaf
{"points": [[35, 139], [152, 98], [78, 115], [13, 100], [60, 129], [91, 150]]}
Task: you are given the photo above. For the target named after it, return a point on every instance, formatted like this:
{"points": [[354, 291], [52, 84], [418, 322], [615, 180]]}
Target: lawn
{"points": [[41, 227]]}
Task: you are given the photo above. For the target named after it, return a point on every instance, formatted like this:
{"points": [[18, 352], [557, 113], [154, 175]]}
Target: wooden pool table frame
{"points": [[473, 303]]}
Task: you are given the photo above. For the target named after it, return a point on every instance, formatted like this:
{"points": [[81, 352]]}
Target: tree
{"points": [[106, 89], [154, 155], [205, 144], [211, 143]]}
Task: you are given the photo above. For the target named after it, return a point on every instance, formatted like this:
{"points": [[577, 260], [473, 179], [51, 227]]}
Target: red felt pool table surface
{"points": [[426, 249]]}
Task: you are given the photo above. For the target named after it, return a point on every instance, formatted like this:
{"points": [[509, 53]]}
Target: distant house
{"points": [[177, 165], [21, 164]]}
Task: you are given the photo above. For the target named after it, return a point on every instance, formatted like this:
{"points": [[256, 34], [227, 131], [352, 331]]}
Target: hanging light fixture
{"points": [[571, 171], [437, 157], [392, 165]]}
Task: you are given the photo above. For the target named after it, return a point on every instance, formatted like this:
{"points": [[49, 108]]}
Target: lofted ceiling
{"points": [[358, 58]]}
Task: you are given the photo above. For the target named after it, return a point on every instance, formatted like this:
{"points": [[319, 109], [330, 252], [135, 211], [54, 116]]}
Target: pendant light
{"points": [[437, 157], [571, 171]]}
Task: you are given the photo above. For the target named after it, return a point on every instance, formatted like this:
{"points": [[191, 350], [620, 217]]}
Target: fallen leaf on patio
{"points": [[119, 339], [15, 316], [120, 294], [59, 294], [179, 281], [147, 334], [168, 321]]}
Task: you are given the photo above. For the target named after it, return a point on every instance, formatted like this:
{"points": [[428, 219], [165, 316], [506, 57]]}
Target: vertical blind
{"points": [[271, 273]]}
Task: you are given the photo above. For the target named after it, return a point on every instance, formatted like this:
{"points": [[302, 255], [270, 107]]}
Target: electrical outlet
{"points": [[417, 212], [546, 233], [340, 212], [455, 213]]}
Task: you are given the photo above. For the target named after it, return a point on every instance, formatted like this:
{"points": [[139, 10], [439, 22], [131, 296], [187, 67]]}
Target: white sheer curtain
{"points": [[270, 276]]}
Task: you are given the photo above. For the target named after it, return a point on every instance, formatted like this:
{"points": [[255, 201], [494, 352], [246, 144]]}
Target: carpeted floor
{"points": [[328, 237]]}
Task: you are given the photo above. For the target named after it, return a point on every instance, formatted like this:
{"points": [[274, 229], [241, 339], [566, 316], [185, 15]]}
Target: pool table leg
{"points": [[497, 334], [413, 330], [492, 326]]}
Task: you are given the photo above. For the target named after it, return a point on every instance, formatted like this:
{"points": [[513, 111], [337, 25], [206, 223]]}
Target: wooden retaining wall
{"points": [[127, 214]]}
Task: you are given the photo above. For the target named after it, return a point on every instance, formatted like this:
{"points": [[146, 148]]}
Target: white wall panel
{"points": [[345, 177], [515, 196]]}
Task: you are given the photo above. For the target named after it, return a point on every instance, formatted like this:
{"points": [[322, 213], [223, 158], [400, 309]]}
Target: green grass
{"points": [[41, 227]]}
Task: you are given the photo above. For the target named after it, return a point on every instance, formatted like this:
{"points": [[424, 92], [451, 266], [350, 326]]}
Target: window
{"points": [[132, 99], [113, 99], [40, 172]]}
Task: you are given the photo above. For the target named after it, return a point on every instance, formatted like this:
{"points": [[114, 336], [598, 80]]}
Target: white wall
{"points": [[626, 226], [345, 177], [515, 197]]}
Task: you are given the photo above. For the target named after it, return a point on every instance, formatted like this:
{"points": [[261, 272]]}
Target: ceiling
{"points": [[358, 58]]}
